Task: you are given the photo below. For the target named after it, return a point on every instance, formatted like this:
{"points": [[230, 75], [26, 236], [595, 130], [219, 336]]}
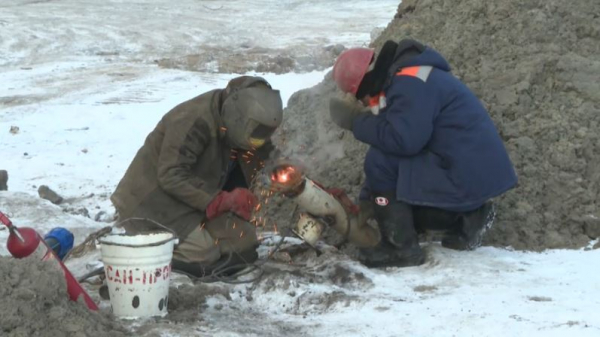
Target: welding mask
{"points": [[251, 113]]}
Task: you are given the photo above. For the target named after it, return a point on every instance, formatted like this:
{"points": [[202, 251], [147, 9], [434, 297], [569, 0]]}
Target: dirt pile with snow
{"points": [[534, 64], [35, 303]]}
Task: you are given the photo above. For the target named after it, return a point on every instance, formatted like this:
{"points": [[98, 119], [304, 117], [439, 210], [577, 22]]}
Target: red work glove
{"points": [[239, 201]]}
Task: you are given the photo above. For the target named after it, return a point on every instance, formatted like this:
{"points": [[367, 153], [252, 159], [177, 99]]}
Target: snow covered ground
{"points": [[488, 292], [85, 81]]}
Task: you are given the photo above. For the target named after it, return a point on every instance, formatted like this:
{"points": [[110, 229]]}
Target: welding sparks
{"points": [[283, 175], [285, 178]]}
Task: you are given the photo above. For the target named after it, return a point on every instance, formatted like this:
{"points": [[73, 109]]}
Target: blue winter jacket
{"points": [[450, 155]]}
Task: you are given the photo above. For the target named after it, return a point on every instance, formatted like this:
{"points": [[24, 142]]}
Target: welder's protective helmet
{"points": [[251, 112], [350, 68]]}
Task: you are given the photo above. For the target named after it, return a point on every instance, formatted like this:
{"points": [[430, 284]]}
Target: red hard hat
{"points": [[350, 68]]}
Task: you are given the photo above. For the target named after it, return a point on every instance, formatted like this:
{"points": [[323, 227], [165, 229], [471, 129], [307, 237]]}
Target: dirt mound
{"points": [[35, 303], [534, 64]]}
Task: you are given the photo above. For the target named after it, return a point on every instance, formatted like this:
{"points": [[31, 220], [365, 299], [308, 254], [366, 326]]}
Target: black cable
{"points": [[217, 274]]}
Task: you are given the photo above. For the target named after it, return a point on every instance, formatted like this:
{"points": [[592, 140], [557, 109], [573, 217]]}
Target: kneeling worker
{"points": [[193, 173], [435, 158]]}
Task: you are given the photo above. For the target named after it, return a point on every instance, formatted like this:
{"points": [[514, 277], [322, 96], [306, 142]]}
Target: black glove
{"points": [[343, 111]]}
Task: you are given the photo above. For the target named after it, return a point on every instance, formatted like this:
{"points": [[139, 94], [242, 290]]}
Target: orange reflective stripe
{"points": [[420, 72], [374, 101], [409, 71]]}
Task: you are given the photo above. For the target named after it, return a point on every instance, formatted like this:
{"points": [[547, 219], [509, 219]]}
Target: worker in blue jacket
{"points": [[435, 158]]}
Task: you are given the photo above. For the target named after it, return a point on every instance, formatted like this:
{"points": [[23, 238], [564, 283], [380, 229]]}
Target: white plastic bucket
{"points": [[138, 270]]}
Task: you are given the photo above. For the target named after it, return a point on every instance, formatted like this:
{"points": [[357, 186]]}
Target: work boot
{"points": [[386, 255], [395, 220], [471, 228], [227, 265], [383, 255]]}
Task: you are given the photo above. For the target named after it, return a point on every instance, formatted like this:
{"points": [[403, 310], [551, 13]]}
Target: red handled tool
{"points": [[25, 241]]}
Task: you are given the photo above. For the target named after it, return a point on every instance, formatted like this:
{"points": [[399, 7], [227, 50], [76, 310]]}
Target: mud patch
{"points": [[12, 101], [210, 309], [539, 299], [425, 289], [329, 268], [35, 303], [318, 303], [342, 275], [187, 302]]}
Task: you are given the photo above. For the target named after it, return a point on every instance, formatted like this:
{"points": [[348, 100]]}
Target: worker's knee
{"points": [[232, 233], [221, 236], [198, 247], [381, 170]]}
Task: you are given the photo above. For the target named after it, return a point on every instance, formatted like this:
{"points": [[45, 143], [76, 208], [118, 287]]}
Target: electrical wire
{"points": [[220, 274]]}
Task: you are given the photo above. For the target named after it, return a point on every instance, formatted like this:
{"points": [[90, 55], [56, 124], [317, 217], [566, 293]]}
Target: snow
{"points": [[37, 31], [79, 81]]}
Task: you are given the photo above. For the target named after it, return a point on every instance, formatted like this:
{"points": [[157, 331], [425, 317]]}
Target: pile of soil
{"points": [[534, 64], [35, 303]]}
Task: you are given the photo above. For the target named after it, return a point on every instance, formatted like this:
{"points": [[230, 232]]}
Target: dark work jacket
{"points": [[184, 163], [449, 153]]}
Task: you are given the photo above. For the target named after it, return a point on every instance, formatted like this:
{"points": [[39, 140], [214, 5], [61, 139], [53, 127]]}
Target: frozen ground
{"points": [[488, 292], [85, 81]]}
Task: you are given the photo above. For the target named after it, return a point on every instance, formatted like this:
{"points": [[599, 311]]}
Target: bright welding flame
{"points": [[284, 178], [284, 175]]}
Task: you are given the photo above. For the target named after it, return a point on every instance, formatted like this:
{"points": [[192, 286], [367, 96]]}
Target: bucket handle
{"points": [[174, 237]]}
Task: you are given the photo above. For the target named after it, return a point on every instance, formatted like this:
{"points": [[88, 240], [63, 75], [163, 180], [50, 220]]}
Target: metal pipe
{"points": [[317, 202], [288, 179]]}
